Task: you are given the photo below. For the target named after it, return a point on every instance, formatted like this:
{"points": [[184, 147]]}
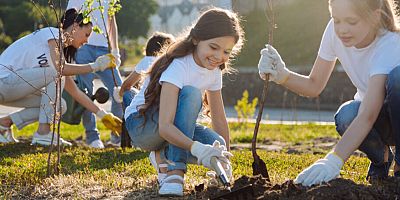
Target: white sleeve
{"points": [[174, 74], [77, 4], [386, 55], [143, 65], [49, 33], [326, 50], [217, 85]]}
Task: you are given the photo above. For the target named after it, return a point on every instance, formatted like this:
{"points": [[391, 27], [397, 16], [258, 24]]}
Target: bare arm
{"points": [[113, 30], [219, 122], [131, 80], [79, 96], [167, 129], [313, 84], [69, 69], [366, 117]]}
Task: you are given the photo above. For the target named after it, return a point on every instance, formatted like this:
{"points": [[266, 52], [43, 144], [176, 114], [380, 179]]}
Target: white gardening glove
{"points": [[204, 153], [213, 175], [103, 62], [271, 63], [116, 95], [117, 56], [227, 167], [323, 170]]}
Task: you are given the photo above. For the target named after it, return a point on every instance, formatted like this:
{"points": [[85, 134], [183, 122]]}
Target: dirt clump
{"points": [[258, 188]]}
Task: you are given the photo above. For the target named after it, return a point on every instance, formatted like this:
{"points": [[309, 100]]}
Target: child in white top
{"points": [[162, 117], [363, 36], [28, 70], [154, 45]]}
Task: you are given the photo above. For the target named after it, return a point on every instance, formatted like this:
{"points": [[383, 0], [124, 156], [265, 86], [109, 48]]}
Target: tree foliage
{"points": [[300, 25], [133, 18], [22, 16]]}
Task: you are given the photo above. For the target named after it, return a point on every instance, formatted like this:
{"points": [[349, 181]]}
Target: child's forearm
{"points": [[353, 137]]}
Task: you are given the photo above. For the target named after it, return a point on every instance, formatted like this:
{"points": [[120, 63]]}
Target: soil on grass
{"points": [[336, 189]]}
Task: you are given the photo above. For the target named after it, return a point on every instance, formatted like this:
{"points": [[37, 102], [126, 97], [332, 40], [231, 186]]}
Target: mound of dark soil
{"points": [[257, 188]]}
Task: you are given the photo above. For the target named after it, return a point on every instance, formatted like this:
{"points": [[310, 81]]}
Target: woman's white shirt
{"points": [[30, 51]]}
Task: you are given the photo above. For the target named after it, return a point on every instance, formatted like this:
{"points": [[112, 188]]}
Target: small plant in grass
{"points": [[245, 109]]}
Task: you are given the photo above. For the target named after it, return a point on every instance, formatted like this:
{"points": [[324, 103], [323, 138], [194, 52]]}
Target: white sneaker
{"points": [[160, 176], [3, 139], [115, 140], [10, 136], [172, 189], [7, 136], [46, 139], [97, 144]]}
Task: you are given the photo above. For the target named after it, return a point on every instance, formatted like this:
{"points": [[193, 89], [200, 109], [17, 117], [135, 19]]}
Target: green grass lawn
{"points": [[285, 133], [87, 173]]}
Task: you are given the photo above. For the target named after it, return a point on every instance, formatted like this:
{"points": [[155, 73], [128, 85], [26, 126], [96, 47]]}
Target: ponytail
{"points": [[70, 17]]}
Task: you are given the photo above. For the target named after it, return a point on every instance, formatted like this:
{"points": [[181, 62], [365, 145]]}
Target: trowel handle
{"points": [[220, 171]]}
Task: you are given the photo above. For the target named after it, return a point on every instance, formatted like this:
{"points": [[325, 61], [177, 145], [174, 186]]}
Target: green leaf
{"points": [[97, 29], [86, 20]]}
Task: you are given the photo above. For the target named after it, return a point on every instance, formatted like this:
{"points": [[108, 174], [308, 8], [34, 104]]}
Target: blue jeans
{"points": [[146, 136], [386, 129], [86, 54], [128, 97]]}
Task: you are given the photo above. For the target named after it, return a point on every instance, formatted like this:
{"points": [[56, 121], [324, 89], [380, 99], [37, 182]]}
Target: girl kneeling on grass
{"points": [[29, 68], [162, 117], [363, 35]]}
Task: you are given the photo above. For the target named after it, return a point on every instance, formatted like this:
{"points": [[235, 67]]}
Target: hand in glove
{"points": [[103, 62], [116, 95], [204, 153], [117, 56], [110, 121], [323, 170], [226, 165], [214, 177], [272, 63]]}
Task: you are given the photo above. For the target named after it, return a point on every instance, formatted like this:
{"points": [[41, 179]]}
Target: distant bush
{"points": [[245, 109], [5, 41]]}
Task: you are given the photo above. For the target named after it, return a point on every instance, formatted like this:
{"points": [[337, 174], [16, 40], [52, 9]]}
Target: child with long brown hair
{"points": [[162, 117]]}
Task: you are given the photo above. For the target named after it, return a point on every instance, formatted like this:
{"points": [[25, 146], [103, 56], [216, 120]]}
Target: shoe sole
{"points": [[170, 195], [36, 142]]}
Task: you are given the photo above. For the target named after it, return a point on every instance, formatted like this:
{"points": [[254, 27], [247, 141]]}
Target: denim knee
{"points": [[345, 115], [192, 98], [145, 135], [393, 86], [128, 96]]}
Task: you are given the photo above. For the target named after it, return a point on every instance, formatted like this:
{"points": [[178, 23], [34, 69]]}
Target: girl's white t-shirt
{"points": [[181, 72], [380, 57], [28, 52]]}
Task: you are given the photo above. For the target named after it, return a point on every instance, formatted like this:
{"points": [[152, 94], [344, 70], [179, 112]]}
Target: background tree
{"points": [[4, 39], [22, 16], [133, 19], [300, 25]]}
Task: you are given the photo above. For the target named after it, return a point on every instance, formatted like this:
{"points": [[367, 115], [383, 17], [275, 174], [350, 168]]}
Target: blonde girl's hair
{"points": [[365, 9]]}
